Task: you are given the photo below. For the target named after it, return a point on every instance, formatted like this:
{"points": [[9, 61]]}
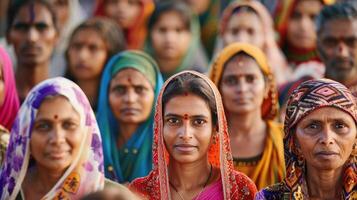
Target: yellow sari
{"points": [[269, 168]]}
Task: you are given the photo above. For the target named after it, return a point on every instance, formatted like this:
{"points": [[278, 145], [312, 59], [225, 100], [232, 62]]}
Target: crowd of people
{"points": [[178, 99]]}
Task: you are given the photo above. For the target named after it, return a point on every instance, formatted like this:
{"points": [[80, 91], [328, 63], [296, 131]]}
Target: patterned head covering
{"points": [[138, 158], [155, 186], [273, 53], [11, 104], [84, 175], [308, 97], [270, 103]]}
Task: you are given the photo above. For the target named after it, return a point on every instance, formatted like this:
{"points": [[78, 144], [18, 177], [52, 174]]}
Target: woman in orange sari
{"points": [[191, 151], [243, 76]]}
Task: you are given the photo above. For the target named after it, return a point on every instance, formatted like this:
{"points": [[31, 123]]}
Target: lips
{"points": [[57, 155], [326, 154], [185, 148], [129, 111]]}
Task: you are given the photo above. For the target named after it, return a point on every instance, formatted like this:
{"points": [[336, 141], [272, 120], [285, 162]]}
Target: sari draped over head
{"points": [[235, 185], [135, 35], [135, 158], [10, 106], [84, 175], [194, 58], [281, 14], [275, 57], [270, 168], [308, 97]]}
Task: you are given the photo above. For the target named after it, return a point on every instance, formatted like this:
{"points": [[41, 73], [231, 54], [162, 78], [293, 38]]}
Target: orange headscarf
{"points": [[135, 35], [156, 184], [270, 103]]}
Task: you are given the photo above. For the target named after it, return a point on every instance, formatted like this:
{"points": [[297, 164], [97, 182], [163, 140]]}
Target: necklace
{"points": [[181, 197]]}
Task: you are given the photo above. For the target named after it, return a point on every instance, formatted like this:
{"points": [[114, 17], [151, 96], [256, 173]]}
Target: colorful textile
{"points": [[4, 142], [135, 35], [308, 97], [135, 158], [273, 53], [156, 185], [212, 192], [11, 104], [270, 103], [84, 175]]}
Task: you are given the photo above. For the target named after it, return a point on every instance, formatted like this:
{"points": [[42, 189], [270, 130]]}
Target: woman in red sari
{"points": [[191, 152]]}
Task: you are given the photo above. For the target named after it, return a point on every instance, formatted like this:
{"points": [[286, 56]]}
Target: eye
{"points": [[43, 126], [330, 42], [42, 26], [21, 27], [139, 89], [312, 128], [69, 125], [250, 78], [199, 122], [173, 121], [230, 81], [119, 90]]}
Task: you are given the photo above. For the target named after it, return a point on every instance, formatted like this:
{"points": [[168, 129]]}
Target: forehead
{"points": [[170, 18], [33, 13], [339, 28], [87, 35], [57, 105], [324, 113], [129, 75], [244, 18], [308, 6], [189, 104], [241, 65]]}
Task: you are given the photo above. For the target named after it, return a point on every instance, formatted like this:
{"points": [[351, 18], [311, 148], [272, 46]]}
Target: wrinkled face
{"points": [[124, 12], [56, 134], [301, 27], [242, 86], [170, 38], [326, 140], [244, 27], [337, 46], [187, 128], [62, 10], [33, 34], [2, 85], [131, 96], [87, 54]]}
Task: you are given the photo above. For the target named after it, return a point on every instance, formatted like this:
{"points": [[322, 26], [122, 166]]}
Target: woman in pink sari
{"points": [[191, 152]]}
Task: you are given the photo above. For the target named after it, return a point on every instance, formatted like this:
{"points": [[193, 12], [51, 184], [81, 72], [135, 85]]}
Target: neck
{"points": [[44, 179], [324, 184], [90, 88], [189, 176], [249, 124], [29, 76], [126, 131], [168, 66]]}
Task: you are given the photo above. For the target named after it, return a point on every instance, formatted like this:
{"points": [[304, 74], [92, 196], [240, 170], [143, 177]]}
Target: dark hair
{"points": [[166, 6], [342, 10], [15, 7], [108, 30], [193, 84], [244, 8]]}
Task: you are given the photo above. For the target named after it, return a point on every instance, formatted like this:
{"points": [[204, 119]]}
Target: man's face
{"points": [[337, 46], [33, 34]]}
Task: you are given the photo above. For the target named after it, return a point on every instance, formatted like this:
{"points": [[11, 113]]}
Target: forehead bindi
{"points": [[33, 13]]}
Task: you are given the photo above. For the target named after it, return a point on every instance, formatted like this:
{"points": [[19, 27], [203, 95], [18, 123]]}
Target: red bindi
{"points": [[56, 116], [129, 80], [185, 116], [186, 93]]}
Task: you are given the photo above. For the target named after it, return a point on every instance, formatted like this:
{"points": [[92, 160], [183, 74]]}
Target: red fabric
{"points": [[155, 186], [10, 106]]}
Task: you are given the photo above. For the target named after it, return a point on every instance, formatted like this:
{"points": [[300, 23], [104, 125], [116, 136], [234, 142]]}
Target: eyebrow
{"points": [[180, 116]]}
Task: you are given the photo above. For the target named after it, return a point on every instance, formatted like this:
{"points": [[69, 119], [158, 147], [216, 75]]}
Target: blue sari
{"points": [[134, 159]]}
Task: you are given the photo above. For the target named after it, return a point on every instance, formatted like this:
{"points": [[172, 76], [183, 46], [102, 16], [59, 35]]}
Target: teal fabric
{"points": [[135, 158]]}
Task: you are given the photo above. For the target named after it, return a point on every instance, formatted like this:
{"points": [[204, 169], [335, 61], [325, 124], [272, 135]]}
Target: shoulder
{"points": [[144, 187], [119, 189], [274, 192], [246, 185]]}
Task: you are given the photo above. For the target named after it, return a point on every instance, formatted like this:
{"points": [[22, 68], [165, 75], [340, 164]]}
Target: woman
{"points": [[9, 100], [174, 39], [130, 84], [69, 15], [131, 15], [320, 148], [295, 23], [55, 146], [191, 151], [249, 21], [243, 76], [91, 45]]}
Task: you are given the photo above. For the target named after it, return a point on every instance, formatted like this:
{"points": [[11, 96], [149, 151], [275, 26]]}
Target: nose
{"points": [[83, 53], [130, 97], [242, 36], [170, 36], [342, 50], [327, 136], [57, 135], [242, 86], [32, 34], [186, 131]]}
